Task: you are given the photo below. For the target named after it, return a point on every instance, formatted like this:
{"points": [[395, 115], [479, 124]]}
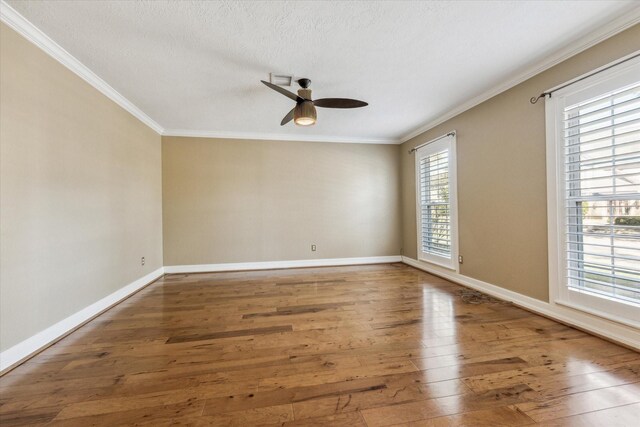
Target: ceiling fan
{"points": [[304, 113]]}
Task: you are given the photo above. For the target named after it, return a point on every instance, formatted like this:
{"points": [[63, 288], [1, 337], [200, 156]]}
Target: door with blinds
{"points": [[597, 125], [436, 202]]}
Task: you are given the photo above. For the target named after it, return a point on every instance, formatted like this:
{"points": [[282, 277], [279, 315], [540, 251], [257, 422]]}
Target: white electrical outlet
{"points": [[313, 248], [460, 259], [142, 261]]}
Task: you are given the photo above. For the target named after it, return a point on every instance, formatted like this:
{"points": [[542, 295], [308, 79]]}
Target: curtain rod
{"points": [[414, 149], [535, 99]]}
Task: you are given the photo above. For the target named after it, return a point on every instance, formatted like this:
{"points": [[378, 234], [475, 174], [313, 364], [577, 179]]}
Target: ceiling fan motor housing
{"points": [[305, 94]]}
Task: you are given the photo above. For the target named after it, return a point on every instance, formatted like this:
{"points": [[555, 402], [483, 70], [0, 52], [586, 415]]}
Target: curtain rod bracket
{"points": [[535, 99]]}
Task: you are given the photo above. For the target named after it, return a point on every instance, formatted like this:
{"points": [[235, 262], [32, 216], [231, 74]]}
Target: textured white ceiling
{"points": [[197, 65]]}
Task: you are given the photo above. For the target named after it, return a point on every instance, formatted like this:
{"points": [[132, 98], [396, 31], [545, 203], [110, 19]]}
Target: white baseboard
{"points": [[623, 334], [33, 345], [29, 347], [270, 265]]}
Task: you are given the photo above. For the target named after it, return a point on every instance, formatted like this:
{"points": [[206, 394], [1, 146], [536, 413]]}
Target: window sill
{"points": [[444, 263], [598, 313]]}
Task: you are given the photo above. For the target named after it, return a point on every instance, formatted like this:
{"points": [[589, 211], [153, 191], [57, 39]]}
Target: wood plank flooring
{"points": [[374, 345]]}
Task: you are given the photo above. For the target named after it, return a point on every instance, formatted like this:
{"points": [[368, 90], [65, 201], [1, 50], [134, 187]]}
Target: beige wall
{"points": [[244, 201], [502, 176], [86, 190], [80, 193]]}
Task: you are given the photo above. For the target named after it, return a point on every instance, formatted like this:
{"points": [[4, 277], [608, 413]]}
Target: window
{"points": [[594, 189], [436, 202]]}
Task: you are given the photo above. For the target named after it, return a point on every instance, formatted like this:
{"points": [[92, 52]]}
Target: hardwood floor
{"points": [[352, 346]]}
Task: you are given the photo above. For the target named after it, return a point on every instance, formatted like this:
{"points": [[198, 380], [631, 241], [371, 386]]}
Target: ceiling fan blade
{"points": [[339, 103], [288, 117], [283, 91]]}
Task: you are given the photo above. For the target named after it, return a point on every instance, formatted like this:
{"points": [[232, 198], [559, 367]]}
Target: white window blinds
{"points": [[602, 194], [434, 203], [435, 172]]}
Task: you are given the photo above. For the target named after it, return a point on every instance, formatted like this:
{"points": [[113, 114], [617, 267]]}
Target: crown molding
{"points": [[22, 26], [276, 137], [26, 29], [13, 19], [611, 29]]}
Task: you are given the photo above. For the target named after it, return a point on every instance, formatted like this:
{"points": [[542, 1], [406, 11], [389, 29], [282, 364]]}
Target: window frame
{"points": [[444, 143], [605, 81]]}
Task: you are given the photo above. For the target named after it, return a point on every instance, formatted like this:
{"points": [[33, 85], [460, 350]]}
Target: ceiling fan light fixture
{"points": [[305, 114]]}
